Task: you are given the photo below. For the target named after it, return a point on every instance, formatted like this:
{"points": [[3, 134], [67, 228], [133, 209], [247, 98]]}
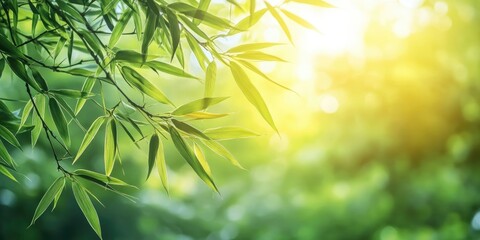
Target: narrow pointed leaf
{"points": [[191, 159], [152, 153], [7, 173], [59, 120], [48, 197], [265, 76], [85, 204], [280, 21], [201, 158], [318, 3], [25, 113], [9, 137], [251, 93], [150, 26], [89, 135], [224, 133], [103, 178], [220, 150], [5, 155], [210, 79], [87, 87], [174, 28], [197, 105], [110, 146], [162, 166], [118, 29], [142, 84], [189, 129], [259, 56], [299, 20], [168, 68], [252, 47]]}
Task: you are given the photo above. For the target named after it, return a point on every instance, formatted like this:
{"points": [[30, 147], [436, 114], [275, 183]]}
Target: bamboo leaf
{"points": [[72, 93], [168, 68], [118, 29], [25, 113], [265, 76], [142, 84], [210, 78], [85, 204], [110, 146], [299, 20], [4, 171], [259, 56], [220, 150], [198, 105], [59, 120], [9, 137], [206, 17], [100, 177], [201, 158], [191, 159], [280, 21], [39, 79], [225, 133], [36, 121], [56, 187], [252, 47], [189, 129], [87, 87], [5, 155], [152, 153], [205, 115], [162, 166], [89, 135], [174, 28], [150, 27], [19, 69], [251, 93]]}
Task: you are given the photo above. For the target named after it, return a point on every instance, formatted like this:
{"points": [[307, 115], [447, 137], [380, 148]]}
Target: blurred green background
{"points": [[381, 142]]}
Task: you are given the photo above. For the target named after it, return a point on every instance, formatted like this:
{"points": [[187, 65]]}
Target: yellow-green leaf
{"points": [[225, 133], [152, 152], [252, 47], [142, 84], [52, 191], [9, 137], [4, 171], [59, 120], [110, 146], [89, 135], [201, 158], [88, 210], [220, 150], [280, 21], [210, 78], [251, 93], [118, 29], [162, 166], [197, 105]]}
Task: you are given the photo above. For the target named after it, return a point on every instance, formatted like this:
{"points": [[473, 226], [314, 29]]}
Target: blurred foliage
{"points": [[381, 143]]}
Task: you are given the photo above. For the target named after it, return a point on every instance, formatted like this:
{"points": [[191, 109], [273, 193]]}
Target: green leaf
{"points": [[168, 68], [202, 5], [280, 21], [25, 113], [224, 133], [87, 87], [318, 3], [299, 20], [259, 56], [9, 137], [201, 158], [36, 121], [8, 48], [251, 93], [220, 150], [260, 73], [189, 129], [89, 135], [85, 204], [247, 22], [72, 93], [210, 78], [206, 17], [5, 155], [93, 42], [4, 171], [191, 25], [19, 69], [152, 152], [197, 51], [205, 115], [162, 166], [70, 10], [150, 27], [39, 79], [58, 48], [174, 28], [59, 120], [110, 146], [197, 105], [100, 177], [142, 84], [56, 187], [118, 29], [2, 66], [191, 159], [252, 47]]}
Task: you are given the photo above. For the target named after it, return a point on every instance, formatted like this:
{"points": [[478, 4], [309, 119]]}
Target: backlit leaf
{"points": [[59, 120], [201, 158], [299, 20], [100, 177], [197, 105], [9, 137], [7, 173], [85, 204], [152, 153], [280, 21], [118, 29], [89, 135], [318, 3], [210, 78], [251, 93], [189, 156], [110, 146], [142, 84], [57, 186], [162, 166], [224, 133]]}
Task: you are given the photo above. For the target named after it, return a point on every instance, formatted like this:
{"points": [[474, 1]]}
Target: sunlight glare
{"points": [[328, 103]]}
